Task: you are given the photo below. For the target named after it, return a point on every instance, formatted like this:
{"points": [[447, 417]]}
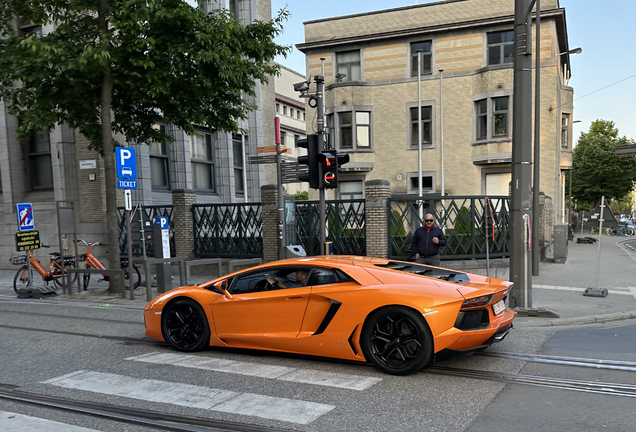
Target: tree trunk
{"points": [[112, 228]]}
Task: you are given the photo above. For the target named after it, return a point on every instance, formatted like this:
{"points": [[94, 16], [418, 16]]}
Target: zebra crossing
{"points": [[226, 401]]}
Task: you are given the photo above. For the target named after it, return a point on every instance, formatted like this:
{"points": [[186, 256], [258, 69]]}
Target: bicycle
{"points": [[92, 261], [22, 278]]}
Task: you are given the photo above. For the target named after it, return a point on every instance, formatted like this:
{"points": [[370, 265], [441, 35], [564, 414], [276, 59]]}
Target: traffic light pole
{"points": [[521, 157], [281, 192], [320, 93]]}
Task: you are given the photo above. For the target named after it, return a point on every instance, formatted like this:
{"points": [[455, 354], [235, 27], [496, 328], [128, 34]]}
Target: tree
{"points": [[596, 170], [119, 66]]}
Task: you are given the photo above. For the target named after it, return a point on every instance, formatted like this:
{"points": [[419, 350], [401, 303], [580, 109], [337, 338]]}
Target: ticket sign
{"points": [[27, 240]]}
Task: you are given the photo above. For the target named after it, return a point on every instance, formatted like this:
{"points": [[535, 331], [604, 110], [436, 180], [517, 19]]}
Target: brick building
{"points": [[371, 96]]}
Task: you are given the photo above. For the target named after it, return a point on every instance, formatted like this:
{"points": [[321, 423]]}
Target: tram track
{"points": [[142, 417], [565, 361]]}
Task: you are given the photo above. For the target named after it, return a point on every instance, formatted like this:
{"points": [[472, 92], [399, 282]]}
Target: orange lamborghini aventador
{"points": [[394, 314]]}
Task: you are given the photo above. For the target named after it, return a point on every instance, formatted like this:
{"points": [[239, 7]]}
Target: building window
{"points": [[296, 138], [283, 137], [202, 159], [348, 66], [40, 161], [277, 107], [303, 116], [428, 182], [491, 118], [427, 126], [284, 110], [291, 112], [565, 126], [351, 189], [298, 114], [501, 47], [233, 6], [159, 162], [425, 47], [353, 130], [500, 116], [237, 147]]}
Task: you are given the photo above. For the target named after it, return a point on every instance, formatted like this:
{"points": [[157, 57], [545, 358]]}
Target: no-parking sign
{"points": [[25, 217]]}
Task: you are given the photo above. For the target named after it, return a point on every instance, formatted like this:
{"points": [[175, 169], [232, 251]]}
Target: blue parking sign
{"points": [[25, 217], [126, 162], [162, 221]]}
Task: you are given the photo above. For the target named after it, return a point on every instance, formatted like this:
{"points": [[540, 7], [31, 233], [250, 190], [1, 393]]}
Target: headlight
{"points": [[476, 302]]}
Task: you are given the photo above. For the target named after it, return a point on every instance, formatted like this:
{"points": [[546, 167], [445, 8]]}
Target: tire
{"points": [[185, 326], [57, 273], [397, 341], [86, 277], [21, 279], [609, 231]]}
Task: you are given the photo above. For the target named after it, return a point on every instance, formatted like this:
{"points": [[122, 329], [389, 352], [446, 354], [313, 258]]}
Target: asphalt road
{"points": [[56, 350]]}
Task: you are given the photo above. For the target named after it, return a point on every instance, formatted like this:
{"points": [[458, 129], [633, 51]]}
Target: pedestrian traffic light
{"points": [[330, 162], [311, 160]]}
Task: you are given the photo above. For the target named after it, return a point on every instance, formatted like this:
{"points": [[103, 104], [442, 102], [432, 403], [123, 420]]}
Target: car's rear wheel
{"points": [[397, 341], [185, 326]]}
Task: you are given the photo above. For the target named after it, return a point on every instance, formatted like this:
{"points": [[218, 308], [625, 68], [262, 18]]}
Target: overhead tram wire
{"points": [[595, 91]]}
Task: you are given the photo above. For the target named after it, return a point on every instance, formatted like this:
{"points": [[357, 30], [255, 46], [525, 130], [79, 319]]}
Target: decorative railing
{"points": [[142, 217], [463, 220]]}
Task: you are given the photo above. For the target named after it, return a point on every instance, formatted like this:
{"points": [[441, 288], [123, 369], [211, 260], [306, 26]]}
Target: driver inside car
{"points": [[301, 277]]}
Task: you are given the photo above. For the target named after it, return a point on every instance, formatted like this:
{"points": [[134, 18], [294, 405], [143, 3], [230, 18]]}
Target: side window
{"points": [[501, 47], [320, 276]]}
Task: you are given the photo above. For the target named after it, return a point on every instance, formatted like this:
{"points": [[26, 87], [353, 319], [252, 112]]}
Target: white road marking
{"points": [[15, 422], [289, 410], [306, 376], [632, 290]]}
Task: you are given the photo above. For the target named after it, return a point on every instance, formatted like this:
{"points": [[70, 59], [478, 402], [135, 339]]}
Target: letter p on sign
{"points": [[126, 162]]}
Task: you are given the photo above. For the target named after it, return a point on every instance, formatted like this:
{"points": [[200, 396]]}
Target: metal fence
{"points": [[345, 221], [227, 230], [141, 228], [462, 218]]}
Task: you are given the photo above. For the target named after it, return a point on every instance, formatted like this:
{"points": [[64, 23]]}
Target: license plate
{"points": [[499, 307]]}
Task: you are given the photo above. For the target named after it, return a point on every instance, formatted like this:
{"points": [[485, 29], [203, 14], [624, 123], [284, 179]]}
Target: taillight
{"points": [[476, 302]]}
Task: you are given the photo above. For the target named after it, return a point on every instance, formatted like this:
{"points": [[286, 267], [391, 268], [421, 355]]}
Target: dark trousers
{"points": [[432, 260]]}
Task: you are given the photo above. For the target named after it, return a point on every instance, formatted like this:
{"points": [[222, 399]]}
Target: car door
{"points": [[255, 316]]}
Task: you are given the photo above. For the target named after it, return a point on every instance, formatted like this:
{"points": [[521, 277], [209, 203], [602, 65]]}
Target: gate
{"points": [[462, 218], [142, 217]]}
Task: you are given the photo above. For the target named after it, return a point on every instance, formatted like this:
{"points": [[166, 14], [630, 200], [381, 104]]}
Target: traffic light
{"points": [[311, 160], [330, 162]]}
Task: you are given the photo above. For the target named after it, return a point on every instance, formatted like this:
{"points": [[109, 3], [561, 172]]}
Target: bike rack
{"points": [[66, 285]]}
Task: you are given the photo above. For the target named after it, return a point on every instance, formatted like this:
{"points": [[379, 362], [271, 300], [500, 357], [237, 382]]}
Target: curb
{"points": [[619, 316]]}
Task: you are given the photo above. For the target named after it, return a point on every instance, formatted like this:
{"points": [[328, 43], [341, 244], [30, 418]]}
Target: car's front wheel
{"points": [[185, 325], [397, 341]]}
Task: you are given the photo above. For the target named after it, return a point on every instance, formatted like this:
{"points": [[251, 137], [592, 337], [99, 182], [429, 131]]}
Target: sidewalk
{"points": [[559, 287]]}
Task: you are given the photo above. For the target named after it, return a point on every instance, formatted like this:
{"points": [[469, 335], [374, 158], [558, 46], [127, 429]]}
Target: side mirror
{"points": [[226, 293]]}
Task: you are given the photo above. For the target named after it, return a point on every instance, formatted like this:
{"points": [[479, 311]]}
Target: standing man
{"points": [[426, 242]]}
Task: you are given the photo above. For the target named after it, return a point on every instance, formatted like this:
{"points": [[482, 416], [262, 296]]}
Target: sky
{"points": [[604, 88]]}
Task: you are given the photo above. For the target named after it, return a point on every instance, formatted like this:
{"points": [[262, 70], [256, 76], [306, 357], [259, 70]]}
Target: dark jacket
{"points": [[423, 241]]}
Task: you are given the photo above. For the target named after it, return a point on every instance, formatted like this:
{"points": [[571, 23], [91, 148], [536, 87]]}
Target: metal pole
{"points": [[570, 203], [320, 93], [131, 277], [419, 133], [600, 232], [525, 260], [441, 145], [537, 145], [521, 156], [487, 209], [244, 153], [281, 193]]}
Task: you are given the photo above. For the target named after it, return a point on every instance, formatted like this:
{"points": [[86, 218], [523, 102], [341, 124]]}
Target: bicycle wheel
{"points": [[56, 272], [124, 267], [609, 231], [21, 279], [86, 277]]}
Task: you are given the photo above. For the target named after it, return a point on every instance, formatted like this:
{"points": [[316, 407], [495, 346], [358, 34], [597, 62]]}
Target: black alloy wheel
{"points": [[397, 341], [185, 325]]}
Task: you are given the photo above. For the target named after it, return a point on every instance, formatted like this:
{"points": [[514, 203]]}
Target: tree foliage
{"points": [[596, 170], [166, 60]]}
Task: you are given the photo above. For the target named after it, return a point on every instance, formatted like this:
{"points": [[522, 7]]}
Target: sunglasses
{"points": [[428, 220]]}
